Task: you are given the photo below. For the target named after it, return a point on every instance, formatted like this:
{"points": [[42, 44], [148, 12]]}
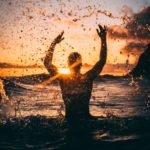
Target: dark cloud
{"points": [[6, 65], [136, 30], [138, 26], [134, 48], [117, 32]]}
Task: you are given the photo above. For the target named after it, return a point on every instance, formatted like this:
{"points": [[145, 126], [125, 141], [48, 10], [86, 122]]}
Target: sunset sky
{"points": [[27, 27]]}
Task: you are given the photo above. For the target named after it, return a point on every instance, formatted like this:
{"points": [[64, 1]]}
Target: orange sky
{"points": [[28, 27]]}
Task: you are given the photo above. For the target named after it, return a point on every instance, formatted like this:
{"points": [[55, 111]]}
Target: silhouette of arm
{"points": [[52, 69], [96, 70]]}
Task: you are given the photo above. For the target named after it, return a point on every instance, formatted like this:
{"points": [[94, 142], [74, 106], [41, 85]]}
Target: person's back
{"points": [[76, 93], [76, 87]]}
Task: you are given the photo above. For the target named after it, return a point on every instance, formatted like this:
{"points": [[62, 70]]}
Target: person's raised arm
{"points": [[49, 55], [96, 70]]}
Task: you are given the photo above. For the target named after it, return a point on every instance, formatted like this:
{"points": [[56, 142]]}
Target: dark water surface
{"points": [[121, 104]]}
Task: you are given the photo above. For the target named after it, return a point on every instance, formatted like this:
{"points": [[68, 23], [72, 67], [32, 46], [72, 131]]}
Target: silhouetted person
{"points": [[143, 66], [76, 87]]}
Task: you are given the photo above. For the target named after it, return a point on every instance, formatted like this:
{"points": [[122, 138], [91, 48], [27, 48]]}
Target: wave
{"points": [[56, 133], [110, 132]]}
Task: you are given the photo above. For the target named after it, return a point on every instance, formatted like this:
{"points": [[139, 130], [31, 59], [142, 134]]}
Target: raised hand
{"points": [[59, 38], [101, 32]]}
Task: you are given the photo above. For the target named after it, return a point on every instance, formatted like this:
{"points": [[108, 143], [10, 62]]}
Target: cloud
{"points": [[134, 48], [138, 26], [136, 30], [117, 32], [126, 10]]}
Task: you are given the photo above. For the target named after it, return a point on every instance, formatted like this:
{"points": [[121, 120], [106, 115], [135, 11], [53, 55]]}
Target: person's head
{"points": [[75, 62]]}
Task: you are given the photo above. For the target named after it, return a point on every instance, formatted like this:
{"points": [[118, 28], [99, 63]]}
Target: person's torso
{"points": [[76, 93]]}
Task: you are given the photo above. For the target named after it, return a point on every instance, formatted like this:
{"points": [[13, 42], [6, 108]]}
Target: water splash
{"points": [[6, 107], [9, 107]]}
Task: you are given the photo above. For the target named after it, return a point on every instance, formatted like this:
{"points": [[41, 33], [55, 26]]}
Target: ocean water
{"points": [[34, 119]]}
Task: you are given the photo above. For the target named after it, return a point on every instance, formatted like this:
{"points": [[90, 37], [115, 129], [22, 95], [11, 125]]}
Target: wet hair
{"points": [[74, 57]]}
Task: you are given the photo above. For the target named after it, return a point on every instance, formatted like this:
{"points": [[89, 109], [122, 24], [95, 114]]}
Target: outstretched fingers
{"points": [[100, 27], [101, 31], [61, 34], [59, 38], [105, 28], [98, 32]]}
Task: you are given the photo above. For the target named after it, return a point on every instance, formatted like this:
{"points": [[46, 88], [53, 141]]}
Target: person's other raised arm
{"points": [[96, 70], [52, 69]]}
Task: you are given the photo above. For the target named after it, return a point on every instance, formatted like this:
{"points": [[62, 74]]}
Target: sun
{"points": [[64, 70]]}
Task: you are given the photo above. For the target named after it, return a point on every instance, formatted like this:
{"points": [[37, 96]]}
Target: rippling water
{"points": [[122, 107]]}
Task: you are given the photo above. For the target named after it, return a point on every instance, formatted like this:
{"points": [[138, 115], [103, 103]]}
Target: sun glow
{"points": [[64, 71]]}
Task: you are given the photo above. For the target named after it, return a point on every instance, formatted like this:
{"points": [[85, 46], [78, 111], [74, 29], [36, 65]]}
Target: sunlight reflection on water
{"points": [[122, 107], [117, 97]]}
